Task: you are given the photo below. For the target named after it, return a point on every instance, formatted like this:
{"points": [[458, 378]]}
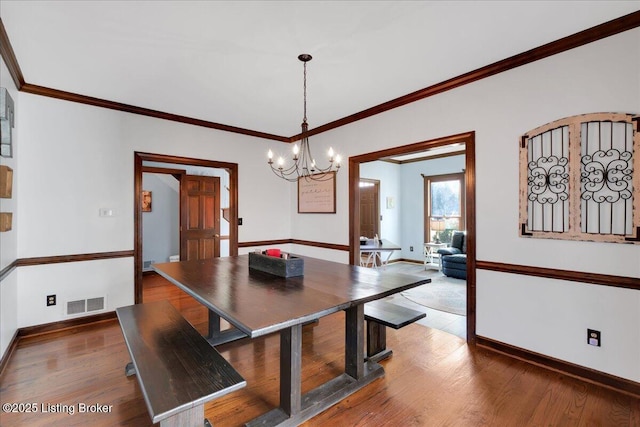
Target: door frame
{"points": [[139, 158], [467, 138]]}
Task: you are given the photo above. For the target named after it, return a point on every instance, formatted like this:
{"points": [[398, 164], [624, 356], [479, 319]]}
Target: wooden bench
{"points": [[379, 315], [178, 371]]}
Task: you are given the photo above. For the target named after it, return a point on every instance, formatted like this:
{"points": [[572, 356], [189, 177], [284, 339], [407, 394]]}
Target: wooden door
{"points": [[369, 208], [199, 217]]}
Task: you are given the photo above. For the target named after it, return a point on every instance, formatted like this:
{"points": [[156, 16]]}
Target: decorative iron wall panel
{"points": [[548, 181], [580, 179], [606, 172]]}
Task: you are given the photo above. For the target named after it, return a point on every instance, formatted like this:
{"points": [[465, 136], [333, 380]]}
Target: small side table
{"points": [[431, 256]]}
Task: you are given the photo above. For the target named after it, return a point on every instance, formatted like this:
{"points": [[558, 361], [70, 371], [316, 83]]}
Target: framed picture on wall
{"points": [[317, 196], [146, 201]]}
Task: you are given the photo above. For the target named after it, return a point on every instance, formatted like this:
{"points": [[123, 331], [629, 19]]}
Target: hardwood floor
{"points": [[447, 322], [432, 379]]}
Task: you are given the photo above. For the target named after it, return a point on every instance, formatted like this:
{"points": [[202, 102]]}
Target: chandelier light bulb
{"points": [[270, 155], [331, 153], [338, 160], [296, 150], [280, 162]]}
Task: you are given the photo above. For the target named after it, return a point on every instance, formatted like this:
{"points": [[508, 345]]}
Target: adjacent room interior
{"points": [[415, 201]]}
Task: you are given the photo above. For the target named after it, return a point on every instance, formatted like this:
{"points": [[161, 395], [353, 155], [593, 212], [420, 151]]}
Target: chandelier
{"points": [[304, 165]]}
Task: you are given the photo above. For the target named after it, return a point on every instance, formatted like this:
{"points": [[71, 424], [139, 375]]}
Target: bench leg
{"points": [[193, 417], [377, 342], [129, 370]]}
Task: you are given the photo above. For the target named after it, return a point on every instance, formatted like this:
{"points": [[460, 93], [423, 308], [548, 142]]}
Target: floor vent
{"points": [[75, 307], [146, 265], [85, 305], [95, 304]]}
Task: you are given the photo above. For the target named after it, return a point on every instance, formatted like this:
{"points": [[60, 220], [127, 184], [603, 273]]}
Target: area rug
{"points": [[443, 293]]}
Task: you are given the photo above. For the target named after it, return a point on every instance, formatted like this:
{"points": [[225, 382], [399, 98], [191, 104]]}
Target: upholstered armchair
{"points": [[454, 258]]}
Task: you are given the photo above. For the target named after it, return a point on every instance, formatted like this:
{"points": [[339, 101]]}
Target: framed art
{"points": [[580, 179], [317, 196], [146, 201], [6, 123]]}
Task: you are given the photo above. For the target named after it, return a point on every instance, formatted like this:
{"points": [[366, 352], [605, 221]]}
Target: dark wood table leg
{"points": [[291, 369], [216, 336], [214, 324], [354, 341], [296, 408]]}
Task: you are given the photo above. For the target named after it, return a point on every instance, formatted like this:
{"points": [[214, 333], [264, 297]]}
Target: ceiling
{"points": [[235, 63]]}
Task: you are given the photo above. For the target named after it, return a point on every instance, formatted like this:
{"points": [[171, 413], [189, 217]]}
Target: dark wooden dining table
{"points": [[256, 303]]}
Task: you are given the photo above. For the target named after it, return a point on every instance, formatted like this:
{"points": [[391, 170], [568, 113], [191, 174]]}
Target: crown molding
{"points": [[97, 102], [9, 57], [607, 29]]}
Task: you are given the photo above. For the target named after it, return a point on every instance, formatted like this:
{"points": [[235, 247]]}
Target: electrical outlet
{"points": [[593, 337], [51, 300], [410, 248]]}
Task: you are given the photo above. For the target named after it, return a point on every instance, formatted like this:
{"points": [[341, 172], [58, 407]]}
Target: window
{"points": [[444, 206]]}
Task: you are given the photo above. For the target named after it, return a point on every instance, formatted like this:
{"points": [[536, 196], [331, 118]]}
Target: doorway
{"points": [[208, 246], [468, 139], [369, 207], [161, 214]]}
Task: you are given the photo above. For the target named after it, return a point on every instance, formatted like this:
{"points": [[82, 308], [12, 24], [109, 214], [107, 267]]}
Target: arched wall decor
{"points": [[580, 179]]}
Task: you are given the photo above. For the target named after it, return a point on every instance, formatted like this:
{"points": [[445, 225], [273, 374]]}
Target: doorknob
{"points": [[216, 235]]}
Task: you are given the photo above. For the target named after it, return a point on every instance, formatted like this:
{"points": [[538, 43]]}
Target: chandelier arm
{"points": [[308, 158], [279, 173], [286, 178], [323, 176], [286, 171]]}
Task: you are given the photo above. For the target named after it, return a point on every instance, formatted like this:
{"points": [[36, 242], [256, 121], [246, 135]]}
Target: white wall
{"points": [[551, 317], [9, 239], [109, 278], [602, 76], [76, 159]]}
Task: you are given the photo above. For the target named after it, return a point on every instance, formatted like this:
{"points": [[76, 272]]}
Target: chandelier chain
{"points": [[304, 118]]}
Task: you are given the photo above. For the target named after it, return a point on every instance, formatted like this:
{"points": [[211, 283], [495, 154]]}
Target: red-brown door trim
{"points": [[139, 158]]}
